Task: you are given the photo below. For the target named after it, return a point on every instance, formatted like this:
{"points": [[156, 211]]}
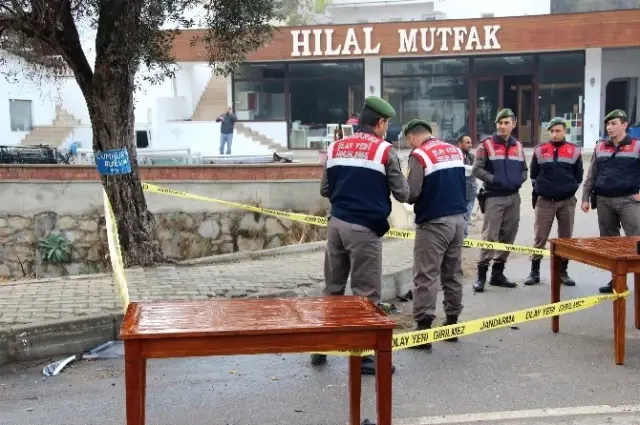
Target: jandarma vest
{"points": [[618, 168], [359, 191], [557, 180], [444, 185], [505, 160]]}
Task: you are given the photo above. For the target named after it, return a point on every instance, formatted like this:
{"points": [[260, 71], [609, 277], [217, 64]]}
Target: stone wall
{"points": [[182, 236], [41, 200]]}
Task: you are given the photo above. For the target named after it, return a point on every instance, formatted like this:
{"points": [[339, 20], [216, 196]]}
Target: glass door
{"points": [[486, 101]]}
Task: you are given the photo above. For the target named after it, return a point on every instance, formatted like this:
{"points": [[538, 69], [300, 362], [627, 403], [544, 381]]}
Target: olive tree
{"points": [[130, 35]]}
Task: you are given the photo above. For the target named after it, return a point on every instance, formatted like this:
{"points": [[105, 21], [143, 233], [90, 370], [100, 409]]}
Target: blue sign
{"points": [[113, 162]]}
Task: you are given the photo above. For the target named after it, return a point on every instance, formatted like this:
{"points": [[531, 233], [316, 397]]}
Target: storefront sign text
{"points": [[357, 42]]}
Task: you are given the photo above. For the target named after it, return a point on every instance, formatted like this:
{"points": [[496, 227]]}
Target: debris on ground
{"points": [[108, 350]]}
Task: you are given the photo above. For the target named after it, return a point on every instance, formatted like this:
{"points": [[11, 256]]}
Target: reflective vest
{"points": [[557, 180], [356, 171], [444, 187], [505, 160], [618, 168]]}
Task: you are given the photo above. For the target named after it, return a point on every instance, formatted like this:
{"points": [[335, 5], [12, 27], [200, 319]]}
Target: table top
{"points": [[251, 316], [616, 248]]}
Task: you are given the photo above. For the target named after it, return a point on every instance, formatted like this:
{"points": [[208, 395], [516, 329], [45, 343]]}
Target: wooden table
{"points": [[234, 327], [616, 254]]}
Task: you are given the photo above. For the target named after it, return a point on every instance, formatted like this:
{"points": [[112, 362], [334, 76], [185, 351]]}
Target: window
{"points": [[561, 93], [426, 66], [442, 100], [259, 100], [503, 65], [322, 93], [20, 115], [258, 71]]}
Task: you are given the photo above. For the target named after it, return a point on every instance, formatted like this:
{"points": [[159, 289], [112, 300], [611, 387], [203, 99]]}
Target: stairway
{"points": [[258, 137], [213, 101], [54, 134]]}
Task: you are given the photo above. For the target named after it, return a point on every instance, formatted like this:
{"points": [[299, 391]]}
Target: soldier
{"points": [[437, 188], [612, 183], [464, 143], [501, 165], [556, 174], [360, 172]]}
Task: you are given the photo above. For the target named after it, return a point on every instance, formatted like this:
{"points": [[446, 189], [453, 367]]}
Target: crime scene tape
{"points": [[322, 221], [115, 253], [411, 339]]}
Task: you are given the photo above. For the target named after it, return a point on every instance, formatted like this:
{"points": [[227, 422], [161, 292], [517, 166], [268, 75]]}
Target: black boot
{"points": [[534, 276], [498, 278], [422, 325], [369, 366], [564, 276], [482, 278], [318, 359], [607, 289], [451, 320]]}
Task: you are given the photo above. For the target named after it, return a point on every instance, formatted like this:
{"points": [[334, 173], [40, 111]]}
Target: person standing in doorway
{"points": [[227, 122], [438, 189], [465, 144], [556, 174], [613, 182], [361, 172], [500, 163]]}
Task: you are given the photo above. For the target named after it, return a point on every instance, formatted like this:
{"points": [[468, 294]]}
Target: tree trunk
{"points": [[111, 110]]}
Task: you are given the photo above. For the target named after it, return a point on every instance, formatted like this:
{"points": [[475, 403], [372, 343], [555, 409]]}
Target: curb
{"points": [[254, 255], [76, 335]]}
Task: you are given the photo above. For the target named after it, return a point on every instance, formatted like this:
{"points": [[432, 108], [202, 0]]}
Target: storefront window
{"points": [[442, 100], [321, 96], [405, 68], [259, 100], [503, 65], [561, 93]]}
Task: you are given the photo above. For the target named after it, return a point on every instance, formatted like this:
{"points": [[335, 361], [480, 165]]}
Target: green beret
{"points": [[505, 113], [616, 113], [380, 105], [416, 123], [556, 121]]}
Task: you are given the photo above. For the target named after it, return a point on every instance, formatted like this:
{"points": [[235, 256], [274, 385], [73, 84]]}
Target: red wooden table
{"points": [[615, 254], [260, 326]]}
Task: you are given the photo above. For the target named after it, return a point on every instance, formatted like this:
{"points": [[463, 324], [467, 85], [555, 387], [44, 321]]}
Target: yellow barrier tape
{"points": [[415, 338], [115, 254], [322, 221]]}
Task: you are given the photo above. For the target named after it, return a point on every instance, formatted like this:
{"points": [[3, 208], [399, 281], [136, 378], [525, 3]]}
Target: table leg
{"points": [[636, 298], [135, 376], [383, 378], [555, 289], [355, 388], [619, 317]]}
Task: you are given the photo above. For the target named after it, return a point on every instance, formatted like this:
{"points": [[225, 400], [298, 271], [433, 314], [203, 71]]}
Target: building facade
{"points": [[454, 73]]}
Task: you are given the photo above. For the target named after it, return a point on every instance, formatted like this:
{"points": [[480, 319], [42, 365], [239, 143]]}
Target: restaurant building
{"points": [[455, 74]]}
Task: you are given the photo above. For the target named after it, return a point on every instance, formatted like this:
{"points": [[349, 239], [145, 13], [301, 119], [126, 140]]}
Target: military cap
{"points": [[416, 123], [616, 113], [556, 121], [505, 113], [380, 105]]}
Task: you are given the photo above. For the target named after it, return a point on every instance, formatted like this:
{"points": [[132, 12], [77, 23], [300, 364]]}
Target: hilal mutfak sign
{"points": [[362, 41]]}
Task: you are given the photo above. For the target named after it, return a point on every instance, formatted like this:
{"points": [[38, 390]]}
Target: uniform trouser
{"points": [[501, 221], [614, 212], [546, 212], [356, 250], [437, 258]]}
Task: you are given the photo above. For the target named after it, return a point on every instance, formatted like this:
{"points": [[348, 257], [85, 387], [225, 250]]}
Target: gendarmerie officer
{"points": [[361, 172], [501, 165], [556, 174], [613, 181], [437, 188]]}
